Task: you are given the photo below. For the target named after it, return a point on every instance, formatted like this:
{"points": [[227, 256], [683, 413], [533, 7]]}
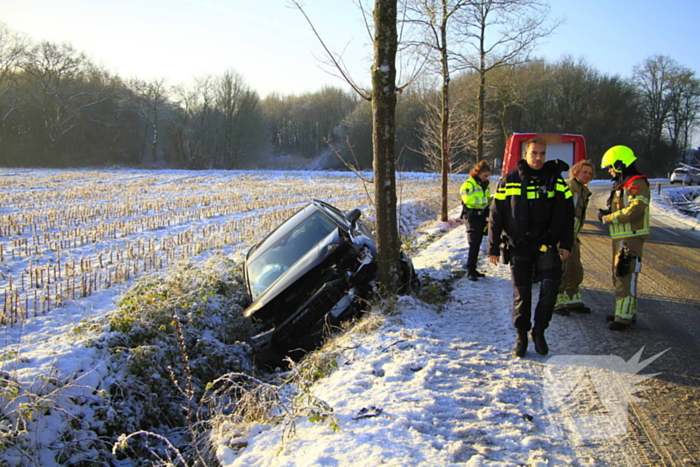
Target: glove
{"points": [[602, 213]]}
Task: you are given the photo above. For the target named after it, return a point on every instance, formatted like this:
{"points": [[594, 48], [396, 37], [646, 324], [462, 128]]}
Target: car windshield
{"points": [[680, 171], [269, 266]]}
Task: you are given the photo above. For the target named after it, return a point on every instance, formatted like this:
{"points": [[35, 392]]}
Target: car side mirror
{"points": [[352, 217]]}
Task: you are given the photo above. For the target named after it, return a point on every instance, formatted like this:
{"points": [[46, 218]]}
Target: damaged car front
{"points": [[306, 275]]}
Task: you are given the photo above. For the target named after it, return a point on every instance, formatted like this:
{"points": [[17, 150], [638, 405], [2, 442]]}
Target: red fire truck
{"points": [[567, 147]]}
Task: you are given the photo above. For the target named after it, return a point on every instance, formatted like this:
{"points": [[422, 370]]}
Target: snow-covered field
{"points": [[433, 385]]}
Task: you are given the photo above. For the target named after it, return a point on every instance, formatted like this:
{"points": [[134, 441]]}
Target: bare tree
{"points": [[669, 96], [13, 47], [383, 99], [57, 91], [150, 105], [201, 129], [239, 109], [510, 88], [684, 108], [459, 136], [434, 21], [654, 78], [301, 124], [187, 100], [501, 33]]}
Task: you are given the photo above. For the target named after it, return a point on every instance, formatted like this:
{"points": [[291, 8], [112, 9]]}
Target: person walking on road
{"points": [[627, 216], [534, 211], [569, 298], [476, 197]]}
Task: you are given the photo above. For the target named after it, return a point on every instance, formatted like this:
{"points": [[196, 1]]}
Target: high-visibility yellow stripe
{"points": [[532, 191], [622, 230], [564, 299], [626, 307]]}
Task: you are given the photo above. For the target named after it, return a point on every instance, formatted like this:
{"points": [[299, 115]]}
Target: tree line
{"points": [[59, 109]]}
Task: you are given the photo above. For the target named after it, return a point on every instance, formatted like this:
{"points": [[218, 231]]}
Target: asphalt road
{"points": [[665, 429]]}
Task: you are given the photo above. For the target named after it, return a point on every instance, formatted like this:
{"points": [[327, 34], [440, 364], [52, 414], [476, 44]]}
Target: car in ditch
{"points": [[312, 272]]}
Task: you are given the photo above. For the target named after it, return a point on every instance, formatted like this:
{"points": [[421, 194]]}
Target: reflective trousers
{"points": [[569, 290], [626, 286], [523, 260]]}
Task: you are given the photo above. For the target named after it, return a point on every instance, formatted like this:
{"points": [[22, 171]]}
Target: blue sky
{"points": [[273, 48]]}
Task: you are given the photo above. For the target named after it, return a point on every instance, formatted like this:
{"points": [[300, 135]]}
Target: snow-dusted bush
{"points": [[170, 337]]}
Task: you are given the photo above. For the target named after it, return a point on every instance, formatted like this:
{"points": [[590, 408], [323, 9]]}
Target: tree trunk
{"points": [[383, 128], [480, 115], [445, 122]]}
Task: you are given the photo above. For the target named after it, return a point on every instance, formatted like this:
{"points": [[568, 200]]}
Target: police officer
{"points": [[533, 207], [569, 298], [476, 197], [627, 217]]}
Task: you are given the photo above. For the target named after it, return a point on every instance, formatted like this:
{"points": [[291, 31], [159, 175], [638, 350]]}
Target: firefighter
{"points": [[569, 298], [627, 216], [476, 197], [534, 210]]}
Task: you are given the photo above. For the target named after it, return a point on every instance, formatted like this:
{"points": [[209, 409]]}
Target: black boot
{"points": [[582, 309], [541, 346], [472, 275], [617, 326], [520, 348], [479, 274]]}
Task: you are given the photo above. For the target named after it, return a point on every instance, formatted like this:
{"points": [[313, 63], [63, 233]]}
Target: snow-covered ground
{"points": [[431, 386]]}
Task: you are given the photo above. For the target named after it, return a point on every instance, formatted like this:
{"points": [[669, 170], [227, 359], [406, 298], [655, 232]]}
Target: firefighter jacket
{"points": [[629, 208], [475, 195], [532, 211], [581, 194]]}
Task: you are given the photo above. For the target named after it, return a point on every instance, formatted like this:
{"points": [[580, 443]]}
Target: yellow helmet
{"points": [[618, 157]]}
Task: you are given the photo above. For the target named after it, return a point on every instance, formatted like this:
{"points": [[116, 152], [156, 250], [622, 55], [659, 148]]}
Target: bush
{"points": [[169, 338]]}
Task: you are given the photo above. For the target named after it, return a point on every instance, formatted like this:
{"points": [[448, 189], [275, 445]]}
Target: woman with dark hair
{"points": [[476, 198]]}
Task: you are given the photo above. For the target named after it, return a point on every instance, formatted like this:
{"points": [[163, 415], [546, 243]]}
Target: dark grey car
{"points": [[311, 272]]}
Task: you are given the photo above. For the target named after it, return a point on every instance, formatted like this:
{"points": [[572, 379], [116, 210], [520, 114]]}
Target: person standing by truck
{"points": [[569, 298], [476, 197], [533, 208], [627, 216]]}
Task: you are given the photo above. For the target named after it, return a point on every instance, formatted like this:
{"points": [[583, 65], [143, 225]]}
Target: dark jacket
{"points": [[532, 211]]}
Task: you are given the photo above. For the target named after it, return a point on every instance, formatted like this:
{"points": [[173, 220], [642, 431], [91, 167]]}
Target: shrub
{"points": [[169, 338]]}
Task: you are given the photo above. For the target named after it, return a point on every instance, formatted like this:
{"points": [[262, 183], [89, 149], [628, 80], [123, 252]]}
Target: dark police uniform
{"points": [[533, 213]]}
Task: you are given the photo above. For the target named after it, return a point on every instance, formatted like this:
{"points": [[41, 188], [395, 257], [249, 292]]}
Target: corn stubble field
{"points": [[67, 234]]}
